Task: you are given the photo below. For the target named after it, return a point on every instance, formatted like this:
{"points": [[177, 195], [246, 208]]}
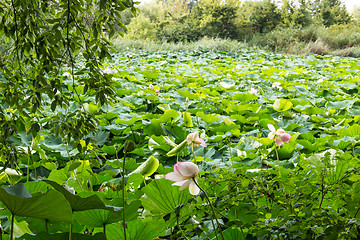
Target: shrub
{"points": [[141, 27]]}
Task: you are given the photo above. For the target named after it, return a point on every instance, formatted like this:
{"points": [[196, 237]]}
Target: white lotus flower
{"points": [[184, 176], [253, 91], [279, 135], [276, 85], [66, 74], [226, 85], [194, 140]]}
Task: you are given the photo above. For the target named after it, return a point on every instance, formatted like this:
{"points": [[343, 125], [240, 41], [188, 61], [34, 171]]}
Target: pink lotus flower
{"points": [[151, 86], [276, 85], [194, 140], [279, 135], [184, 176], [66, 74], [109, 70], [157, 91], [253, 91]]}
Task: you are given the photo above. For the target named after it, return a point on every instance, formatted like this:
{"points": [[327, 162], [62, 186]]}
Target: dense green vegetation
{"points": [[297, 27], [313, 195], [186, 142]]}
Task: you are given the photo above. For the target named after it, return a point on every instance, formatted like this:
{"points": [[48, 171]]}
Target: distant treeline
{"points": [[183, 20], [313, 24]]}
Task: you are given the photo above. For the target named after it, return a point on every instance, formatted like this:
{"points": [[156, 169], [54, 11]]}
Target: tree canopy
{"points": [[45, 37]]}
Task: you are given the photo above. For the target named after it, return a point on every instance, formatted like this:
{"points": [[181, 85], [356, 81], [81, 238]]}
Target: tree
{"points": [[303, 14], [355, 14], [295, 13], [217, 18], [45, 37], [330, 12], [263, 15]]}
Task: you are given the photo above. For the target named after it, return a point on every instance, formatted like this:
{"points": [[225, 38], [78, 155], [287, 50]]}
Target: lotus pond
{"points": [[225, 113]]}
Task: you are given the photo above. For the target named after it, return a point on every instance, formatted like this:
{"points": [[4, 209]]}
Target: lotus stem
{"points": [[213, 210], [104, 229], [12, 226], [123, 194], [182, 232], [193, 152], [46, 226], [278, 161], [70, 233]]}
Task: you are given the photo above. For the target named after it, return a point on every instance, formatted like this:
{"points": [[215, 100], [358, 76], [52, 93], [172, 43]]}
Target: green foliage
{"points": [[142, 28], [307, 188], [333, 12], [49, 38], [49, 205], [286, 27], [263, 15], [216, 18]]}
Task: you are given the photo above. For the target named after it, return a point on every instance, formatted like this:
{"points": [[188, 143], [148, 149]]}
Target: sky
{"points": [[350, 4]]}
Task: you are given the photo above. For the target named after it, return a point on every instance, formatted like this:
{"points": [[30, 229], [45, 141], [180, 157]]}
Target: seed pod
{"points": [[187, 119], [129, 146]]}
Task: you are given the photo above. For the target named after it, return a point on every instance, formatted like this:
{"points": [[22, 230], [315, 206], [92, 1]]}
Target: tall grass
{"points": [[209, 44], [340, 40], [336, 40]]}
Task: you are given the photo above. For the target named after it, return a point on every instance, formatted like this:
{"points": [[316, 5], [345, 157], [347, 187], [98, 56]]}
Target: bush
{"points": [[178, 32], [141, 27]]}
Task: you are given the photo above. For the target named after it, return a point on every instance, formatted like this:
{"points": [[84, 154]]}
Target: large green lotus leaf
{"points": [[62, 236], [244, 97], [282, 105], [95, 217], [265, 121], [51, 205], [20, 228], [162, 198], [37, 225], [101, 217], [188, 94], [154, 128], [78, 203], [169, 115], [223, 128], [36, 187], [242, 213], [309, 109], [208, 118], [353, 131], [136, 230], [231, 234], [101, 137], [52, 143], [308, 145], [341, 104], [109, 149], [238, 108], [342, 143], [128, 119], [90, 108], [286, 150], [59, 176], [150, 75]]}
